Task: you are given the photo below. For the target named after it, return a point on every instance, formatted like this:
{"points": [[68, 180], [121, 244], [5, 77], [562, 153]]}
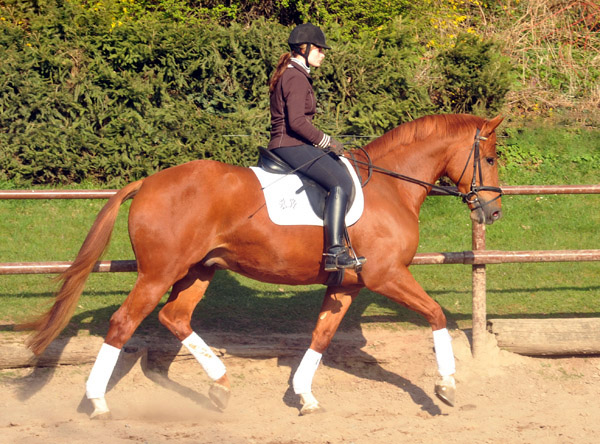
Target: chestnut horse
{"points": [[187, 221]]}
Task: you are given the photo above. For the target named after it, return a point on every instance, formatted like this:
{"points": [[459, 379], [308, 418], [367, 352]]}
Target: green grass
{"points": [[54, 230]]}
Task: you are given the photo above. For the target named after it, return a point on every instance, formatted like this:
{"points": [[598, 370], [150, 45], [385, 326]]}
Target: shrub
{"points": [[113, 91], [472, 76], [80, 98]]}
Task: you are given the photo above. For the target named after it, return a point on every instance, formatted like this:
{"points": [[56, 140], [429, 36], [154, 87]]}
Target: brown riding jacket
{"points": [[293, 106]]}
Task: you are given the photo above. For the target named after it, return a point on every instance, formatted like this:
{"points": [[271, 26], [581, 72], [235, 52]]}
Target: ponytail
{"points": [[284, 60]]}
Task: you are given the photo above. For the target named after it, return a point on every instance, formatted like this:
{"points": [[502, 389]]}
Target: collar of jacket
{"points": [[301, 65]]}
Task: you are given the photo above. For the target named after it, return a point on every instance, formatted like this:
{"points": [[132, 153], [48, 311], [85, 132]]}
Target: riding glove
{"points": [[336, 147]]}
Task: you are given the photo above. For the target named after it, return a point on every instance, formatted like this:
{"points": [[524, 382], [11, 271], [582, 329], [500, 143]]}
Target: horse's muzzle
{"points": [[486, 214]]}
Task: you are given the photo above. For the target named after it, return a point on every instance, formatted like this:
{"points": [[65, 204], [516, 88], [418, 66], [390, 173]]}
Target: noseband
{"points": [[471, 198]]}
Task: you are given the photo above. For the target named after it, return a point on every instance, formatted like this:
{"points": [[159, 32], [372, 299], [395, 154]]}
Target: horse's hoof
{"points": [[309, 404], [446, 390], [101, 416], [308, 409], [219, 395], [101, 410]]}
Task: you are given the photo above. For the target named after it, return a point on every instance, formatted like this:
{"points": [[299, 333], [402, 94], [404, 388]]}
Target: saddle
{"points": [[272, 163]]}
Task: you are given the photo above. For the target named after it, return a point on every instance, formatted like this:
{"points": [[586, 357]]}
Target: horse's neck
{"points": [[424, 161]]}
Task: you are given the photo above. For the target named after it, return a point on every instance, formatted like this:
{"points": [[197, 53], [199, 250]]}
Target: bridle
{"points": [[471, 198]]}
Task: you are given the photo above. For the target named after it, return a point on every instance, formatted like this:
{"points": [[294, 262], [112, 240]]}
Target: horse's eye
{"points": [[490, 160]]}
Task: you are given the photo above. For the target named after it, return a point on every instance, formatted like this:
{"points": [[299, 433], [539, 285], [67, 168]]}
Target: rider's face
{"points": [[316, 56]]}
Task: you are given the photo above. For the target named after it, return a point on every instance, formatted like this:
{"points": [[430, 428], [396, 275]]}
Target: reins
{"points": [[395, 175], [472, 197]]}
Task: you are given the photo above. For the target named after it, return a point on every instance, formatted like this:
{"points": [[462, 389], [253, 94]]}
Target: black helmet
{"points": [[307, 33]]}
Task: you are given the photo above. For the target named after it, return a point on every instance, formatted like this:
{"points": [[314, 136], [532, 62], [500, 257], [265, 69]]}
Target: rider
{"points": [[297, 141]]}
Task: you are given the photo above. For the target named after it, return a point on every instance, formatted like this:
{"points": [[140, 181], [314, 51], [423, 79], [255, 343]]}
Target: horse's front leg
{"points": [[402, 287], [335, 305]]}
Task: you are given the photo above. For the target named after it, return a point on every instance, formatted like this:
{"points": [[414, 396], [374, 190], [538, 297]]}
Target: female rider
{"points": [[297, 141]]}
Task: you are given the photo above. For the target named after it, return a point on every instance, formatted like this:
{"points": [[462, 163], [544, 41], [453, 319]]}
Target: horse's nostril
{"points": [[496, 215]]}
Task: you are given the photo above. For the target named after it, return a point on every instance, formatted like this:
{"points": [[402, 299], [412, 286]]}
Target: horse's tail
{"points": [[49, 325]]}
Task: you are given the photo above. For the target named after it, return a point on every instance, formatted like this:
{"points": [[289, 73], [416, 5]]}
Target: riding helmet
{"points": [[307, 33]]}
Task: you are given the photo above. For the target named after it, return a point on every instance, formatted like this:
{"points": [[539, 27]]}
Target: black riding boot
{"points": [[336, 255]]}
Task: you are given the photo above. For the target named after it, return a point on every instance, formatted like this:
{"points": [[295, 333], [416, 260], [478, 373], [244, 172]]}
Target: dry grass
{"points": [[557, 44], [554, 46]]}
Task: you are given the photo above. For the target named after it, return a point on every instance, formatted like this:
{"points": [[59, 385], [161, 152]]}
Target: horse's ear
{"points": [[490, 125]]}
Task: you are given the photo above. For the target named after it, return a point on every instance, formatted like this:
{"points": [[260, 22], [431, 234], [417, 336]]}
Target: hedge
{"points": [[87, 97]]}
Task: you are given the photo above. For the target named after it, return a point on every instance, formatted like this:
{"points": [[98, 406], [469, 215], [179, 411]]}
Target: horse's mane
{"points": [[441, 125]]}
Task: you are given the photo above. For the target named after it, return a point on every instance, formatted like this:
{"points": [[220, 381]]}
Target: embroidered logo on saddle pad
{"points": [[288, 201]]}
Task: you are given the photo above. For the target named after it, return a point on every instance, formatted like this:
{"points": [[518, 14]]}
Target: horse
{"points": [[187, 221]]}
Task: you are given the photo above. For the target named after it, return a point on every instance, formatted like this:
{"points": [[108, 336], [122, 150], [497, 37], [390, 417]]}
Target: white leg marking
{"points": [[303, 377], [211, 364], [446, 388], [443, 352], [102, 371]]}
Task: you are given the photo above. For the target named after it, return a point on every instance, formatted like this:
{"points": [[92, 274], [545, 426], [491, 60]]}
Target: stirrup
{"points": [[332, 260]]}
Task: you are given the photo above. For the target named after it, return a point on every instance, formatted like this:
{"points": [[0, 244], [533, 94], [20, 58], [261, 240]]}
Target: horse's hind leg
{"points": [[144, 297], [176, 316]]}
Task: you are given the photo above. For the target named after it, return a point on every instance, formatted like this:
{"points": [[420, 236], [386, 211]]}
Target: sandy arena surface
{"points": [[376, 387]]}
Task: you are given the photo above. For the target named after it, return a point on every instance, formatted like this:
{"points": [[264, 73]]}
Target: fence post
{"points": [[479, 292]]}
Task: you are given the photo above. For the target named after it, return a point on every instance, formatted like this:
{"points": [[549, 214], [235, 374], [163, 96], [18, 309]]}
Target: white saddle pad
{"points": [[286, 207]]}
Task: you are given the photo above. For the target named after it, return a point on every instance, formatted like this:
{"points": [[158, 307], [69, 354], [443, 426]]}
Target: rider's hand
{"points": [[336, 147]]}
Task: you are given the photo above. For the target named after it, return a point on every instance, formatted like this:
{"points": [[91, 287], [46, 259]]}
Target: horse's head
{"points": [[474, 169]]}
